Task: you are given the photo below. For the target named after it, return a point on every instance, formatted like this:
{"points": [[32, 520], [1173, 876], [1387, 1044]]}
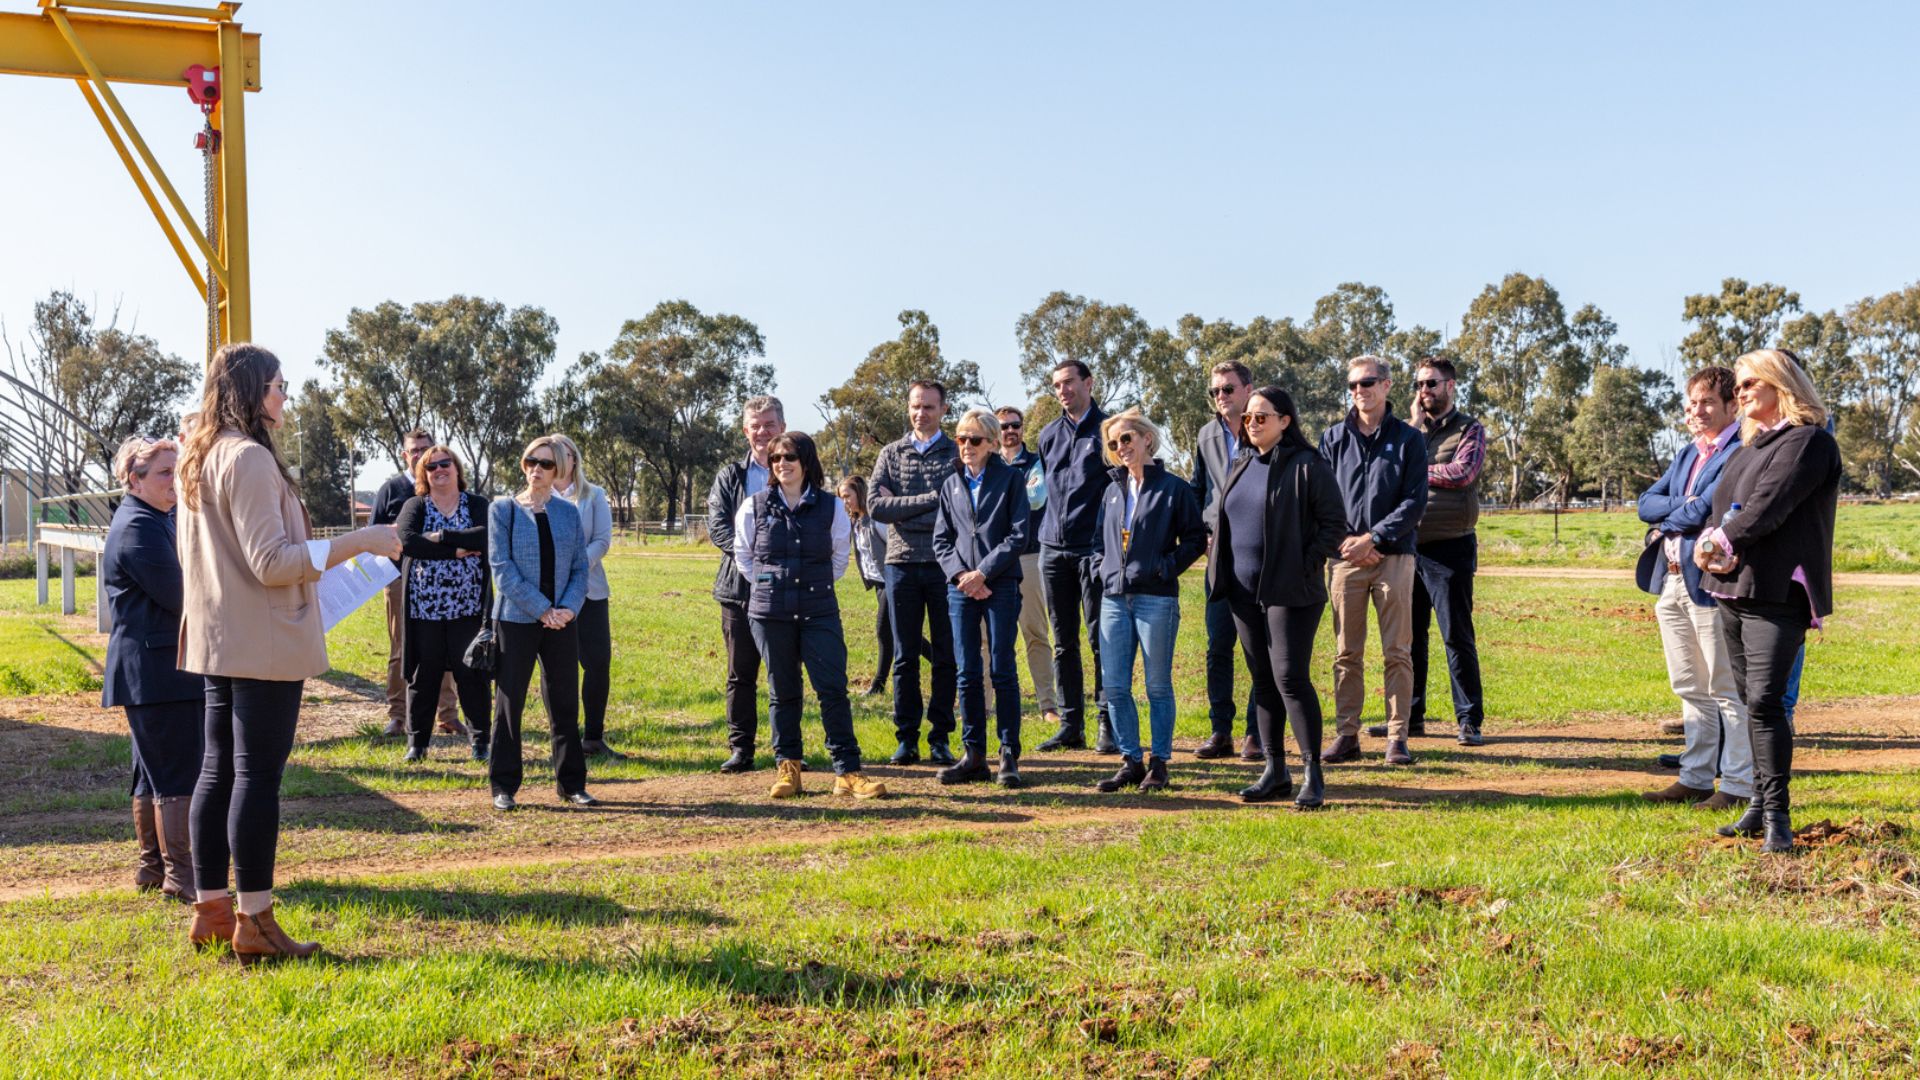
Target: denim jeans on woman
{"points": [[1148, 624], [1001, 612]]}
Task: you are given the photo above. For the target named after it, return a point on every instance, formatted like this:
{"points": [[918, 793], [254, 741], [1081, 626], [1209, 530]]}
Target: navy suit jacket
{"points": [[989, 539], [140, 570], [1672, 512]]}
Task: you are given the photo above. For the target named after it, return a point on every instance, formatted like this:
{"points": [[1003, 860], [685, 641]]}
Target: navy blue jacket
{"points": [[140, 570], [1076, 479], [793, 557], [513, 554], [989, 539], [1168, 534], [1383, 479], [1672, 512], [1025, 463]]}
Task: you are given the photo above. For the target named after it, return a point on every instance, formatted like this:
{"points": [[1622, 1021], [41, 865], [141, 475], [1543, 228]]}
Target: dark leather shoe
{"points": [[1216, 747], [1470, 736], [738, 762], [503, 802], [1344, 748], [481, 753], [1275, 783], [1397, 753], [1720, 800], [598, 748], [1156, 778], [972, 768], [1779, 828], [1067, 738], [1668, 761], [1131, 773], [1751, 823], [938, 754], [1105, 744], [581, 798], [1677, 792], [1251, 750], [414, 753], [1313, 786], [1009, 774], [1417, 730], [877, 688], [905, 754]]}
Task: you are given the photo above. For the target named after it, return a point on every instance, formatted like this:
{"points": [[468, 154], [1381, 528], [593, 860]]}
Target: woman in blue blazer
{"points": [[979, 533], [539, 558], [140, 571]]}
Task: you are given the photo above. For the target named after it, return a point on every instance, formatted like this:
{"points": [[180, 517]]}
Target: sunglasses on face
{"points": [[1261, 417], [775, 459], [1125, 438], [1222, 391], [1011, 425], [546, 463], [1364, 384], [436, 466], [1428, 384], [1751, 384], [970, 440]]}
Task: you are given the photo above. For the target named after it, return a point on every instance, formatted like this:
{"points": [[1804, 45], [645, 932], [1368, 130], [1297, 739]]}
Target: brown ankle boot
{"points": [[176, 846], [259, 937], [151, 871], [212, 921]]}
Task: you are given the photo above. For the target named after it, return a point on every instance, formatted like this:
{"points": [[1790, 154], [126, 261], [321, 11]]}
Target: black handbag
{"points": [[483, 652]]}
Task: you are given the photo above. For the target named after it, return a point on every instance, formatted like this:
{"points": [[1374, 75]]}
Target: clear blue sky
{"points": [[819, 167]]}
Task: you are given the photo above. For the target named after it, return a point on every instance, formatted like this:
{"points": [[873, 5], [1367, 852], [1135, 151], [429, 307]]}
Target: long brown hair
{"points": [[234, 398]]}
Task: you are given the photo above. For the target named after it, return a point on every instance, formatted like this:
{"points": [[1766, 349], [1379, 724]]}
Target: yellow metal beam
{"points": [[140, 181], [131, 50], [230, 114], [217, 14]]}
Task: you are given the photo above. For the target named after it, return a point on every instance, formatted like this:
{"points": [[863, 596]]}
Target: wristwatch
{"points": [[1374, 536]]}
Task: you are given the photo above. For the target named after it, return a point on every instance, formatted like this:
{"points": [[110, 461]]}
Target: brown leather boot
{"points": [[151, 871], [212, 921], [259, 937], [176, 847]]}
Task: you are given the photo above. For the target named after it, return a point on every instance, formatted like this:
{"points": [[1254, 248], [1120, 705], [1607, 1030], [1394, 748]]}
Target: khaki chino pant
{"points": [[1388, 586]]}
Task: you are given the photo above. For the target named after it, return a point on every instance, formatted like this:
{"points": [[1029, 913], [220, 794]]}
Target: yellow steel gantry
{"points": [[199, 49]]}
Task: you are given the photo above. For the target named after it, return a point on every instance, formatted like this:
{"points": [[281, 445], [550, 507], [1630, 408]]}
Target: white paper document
{"points": [[354, 582]]}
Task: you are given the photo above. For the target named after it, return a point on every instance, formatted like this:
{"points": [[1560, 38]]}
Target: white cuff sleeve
{"points": [[317, 552]]}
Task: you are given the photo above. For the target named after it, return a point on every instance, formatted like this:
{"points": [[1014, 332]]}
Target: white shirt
{"points": [[922, 445], [745, 529]]}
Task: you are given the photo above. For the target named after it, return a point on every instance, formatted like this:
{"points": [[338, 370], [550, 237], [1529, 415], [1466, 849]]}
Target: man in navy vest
{"points": [[1699, 666]]}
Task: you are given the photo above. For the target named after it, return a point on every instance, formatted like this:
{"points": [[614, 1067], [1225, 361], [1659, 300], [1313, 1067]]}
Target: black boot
{"points": [[741, 760], [1069, 737], [1131, 773], [1779, 839], [907, 753], [1750, 824], [970, 769], [1313, 783], [1009, 774], [1275, 783], [1156, 778], [938, 754], [1105, 744]]}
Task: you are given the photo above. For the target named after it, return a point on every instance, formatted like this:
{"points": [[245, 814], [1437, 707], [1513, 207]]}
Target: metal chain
{"points": [[210, 150]]}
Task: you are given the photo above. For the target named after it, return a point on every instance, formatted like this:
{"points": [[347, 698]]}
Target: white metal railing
{"points": [[69, 540]]}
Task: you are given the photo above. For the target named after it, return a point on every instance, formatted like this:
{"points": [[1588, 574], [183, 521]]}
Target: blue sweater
{"points": [[1076, 479], [1382, 479], [513, 550]]}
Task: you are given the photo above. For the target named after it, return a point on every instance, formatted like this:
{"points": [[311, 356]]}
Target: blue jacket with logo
{"points": [[1382, 479]]}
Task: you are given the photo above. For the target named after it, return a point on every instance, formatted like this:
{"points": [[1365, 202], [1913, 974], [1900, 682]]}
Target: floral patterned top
{"points": [[442, 589]]}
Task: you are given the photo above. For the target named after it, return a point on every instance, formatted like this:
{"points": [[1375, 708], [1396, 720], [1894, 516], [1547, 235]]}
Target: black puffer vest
{"points": [[792, 558]]}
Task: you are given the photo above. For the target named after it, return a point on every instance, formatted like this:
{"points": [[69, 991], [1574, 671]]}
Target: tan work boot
{"points": [[259, 937], [787, 784], [858, 786], [151, 872], [212, 921]]}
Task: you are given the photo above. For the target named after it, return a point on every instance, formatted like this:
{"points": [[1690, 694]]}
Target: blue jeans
{"points": [[1002, 614], [1792, 696], [1151, 623], [917, 596]]}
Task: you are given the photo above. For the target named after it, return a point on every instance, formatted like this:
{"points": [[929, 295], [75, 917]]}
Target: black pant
{"points": [[1762, 640], [883, 630], [558, 652], [1221, 641], [432, 648], [820, 646], [743, 678], [1072, 588], [596, 668], [1278, 645], [1443, 587], [169, 741], [917, 595], [235, 815]]}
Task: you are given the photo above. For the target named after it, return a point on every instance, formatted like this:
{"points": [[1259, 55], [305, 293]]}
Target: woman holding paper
{"points": [[250, 623], [539, 560], [443, 531]]}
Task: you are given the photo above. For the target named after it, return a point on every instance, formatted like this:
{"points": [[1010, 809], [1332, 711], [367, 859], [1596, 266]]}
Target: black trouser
{"points": [[743, 678], [596, 668], [169, 741], [558, 652], [1072, 588], [820, 646], [1763, 638], [883, 629], [1443, 587], [235, 815], [1278, 645], [917, 593], [432, 648], [1221, 639]]}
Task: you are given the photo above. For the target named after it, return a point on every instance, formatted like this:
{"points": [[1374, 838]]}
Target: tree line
{"points": [[1568, 410]]}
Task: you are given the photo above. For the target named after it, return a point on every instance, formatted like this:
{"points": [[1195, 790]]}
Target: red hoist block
{"points": [[203, 86]]}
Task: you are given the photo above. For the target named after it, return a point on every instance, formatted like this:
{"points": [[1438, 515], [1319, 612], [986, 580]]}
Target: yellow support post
{"points": [[229, 117]]}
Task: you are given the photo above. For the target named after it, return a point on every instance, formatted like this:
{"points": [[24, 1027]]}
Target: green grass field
{"points": [[1867, 538], [1508, 912]]}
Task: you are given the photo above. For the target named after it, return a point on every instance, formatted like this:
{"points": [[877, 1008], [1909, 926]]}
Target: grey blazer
{"points": [[513, 551]]}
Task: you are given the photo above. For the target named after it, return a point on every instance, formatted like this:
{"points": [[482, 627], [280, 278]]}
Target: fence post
{"points": [[40, 570], [67, 573], [100, 620]]}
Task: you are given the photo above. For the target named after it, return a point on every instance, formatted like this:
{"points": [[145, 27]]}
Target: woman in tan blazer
{"points": [[250, 624]]}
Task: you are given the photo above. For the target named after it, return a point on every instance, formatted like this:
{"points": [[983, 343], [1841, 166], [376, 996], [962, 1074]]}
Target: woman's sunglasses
{"points": [[447, 463], [546, 463], [1260, 417], [1751, 383], [775, 459], [1125, 438], [970, 440]]}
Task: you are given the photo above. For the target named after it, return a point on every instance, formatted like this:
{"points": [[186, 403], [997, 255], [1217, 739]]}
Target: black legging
{"points": [[1763, 638], [596, 668], [558, 653], [1278, 645], [235, 814], [433, 647]]}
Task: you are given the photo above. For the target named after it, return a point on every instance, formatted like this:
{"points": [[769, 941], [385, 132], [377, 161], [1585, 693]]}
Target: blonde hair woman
{"points": [[596, 628], [1769, 561], [250, 623]]}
